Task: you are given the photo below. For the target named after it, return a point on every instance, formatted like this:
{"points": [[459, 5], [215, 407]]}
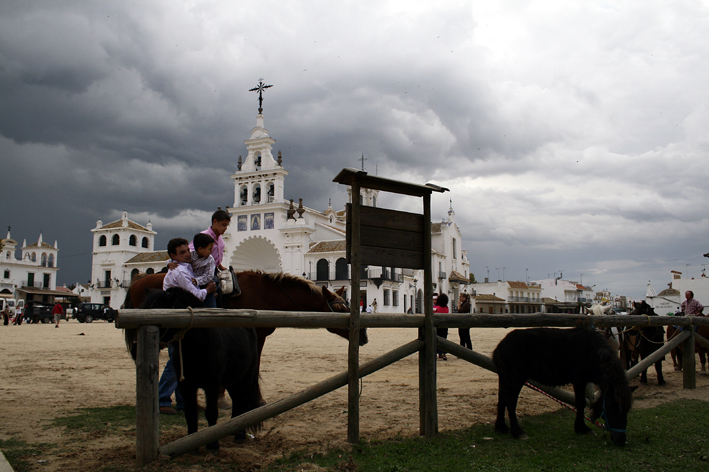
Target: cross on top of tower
{"points": [[362, 159], [260, 88]]}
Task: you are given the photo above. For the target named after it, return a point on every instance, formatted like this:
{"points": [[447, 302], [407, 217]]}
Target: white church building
{"points": [[33, 275], [272, 233]]}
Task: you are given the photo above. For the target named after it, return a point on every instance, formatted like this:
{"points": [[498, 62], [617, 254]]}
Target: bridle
{"points": [[604, 417]]}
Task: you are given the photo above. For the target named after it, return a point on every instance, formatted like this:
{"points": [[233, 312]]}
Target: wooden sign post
{"points": [[384, 237]]}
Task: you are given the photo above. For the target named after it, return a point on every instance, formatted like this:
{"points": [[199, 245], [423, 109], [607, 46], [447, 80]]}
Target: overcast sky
{"points": [[573, 135]]}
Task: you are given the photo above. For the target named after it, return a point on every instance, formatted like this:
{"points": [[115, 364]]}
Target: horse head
{"points": [[616, 397], [338, 304]]}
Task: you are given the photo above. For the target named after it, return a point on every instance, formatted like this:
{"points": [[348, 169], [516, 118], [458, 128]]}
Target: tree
{"points": [[472, 278]]}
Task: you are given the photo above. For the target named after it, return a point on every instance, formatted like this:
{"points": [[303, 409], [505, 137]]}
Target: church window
{"points": [[455, 249], [7, 274], [374, 201], [145, 243], [44, 259], [243, 195], [102, 240], [323, 269], [395, 298], [50, 261], [271, 192], [133, 273], [133, 241], [257, 194], [386, 297], [257, 161], [34, 257], [116, 240], [150, 271], [8, 255], [341, 272]]}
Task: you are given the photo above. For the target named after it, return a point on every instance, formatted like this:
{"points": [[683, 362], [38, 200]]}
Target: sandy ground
{"points": [[47, 372]]}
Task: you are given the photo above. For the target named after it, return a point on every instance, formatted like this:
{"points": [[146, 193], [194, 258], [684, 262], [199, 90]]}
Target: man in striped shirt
{"points": [[691, 305]]}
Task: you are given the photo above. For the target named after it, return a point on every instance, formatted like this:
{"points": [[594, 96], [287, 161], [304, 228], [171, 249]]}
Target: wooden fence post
{"points": [[353, 349], [147, 411]]}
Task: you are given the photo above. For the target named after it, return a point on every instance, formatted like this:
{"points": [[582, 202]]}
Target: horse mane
{"points": [[282, 278], [613, 374], [127, 302]]}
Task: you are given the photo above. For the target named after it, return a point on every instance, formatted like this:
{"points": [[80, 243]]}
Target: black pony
{"points": [[558, 357], [638, 344], [211, 358]]}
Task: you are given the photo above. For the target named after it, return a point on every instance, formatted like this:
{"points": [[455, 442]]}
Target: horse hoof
{"points": [[660, 384], [523, 437], [678, 368]]}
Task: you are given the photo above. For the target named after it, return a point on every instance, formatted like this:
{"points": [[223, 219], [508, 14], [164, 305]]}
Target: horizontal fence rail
{"points": [[217, 317]]}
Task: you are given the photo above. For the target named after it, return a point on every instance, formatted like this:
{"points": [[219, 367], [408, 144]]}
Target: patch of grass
{"points": [[667, 437], [110, 419], [20, 455]]}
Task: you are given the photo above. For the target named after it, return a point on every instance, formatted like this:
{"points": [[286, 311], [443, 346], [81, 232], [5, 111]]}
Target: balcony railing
{"points": [[371, 273]]}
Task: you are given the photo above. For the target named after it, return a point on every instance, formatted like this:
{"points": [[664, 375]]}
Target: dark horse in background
{"points": [[557, 357], [259, 291], [677, 353], [211, 358], [638, 344]]}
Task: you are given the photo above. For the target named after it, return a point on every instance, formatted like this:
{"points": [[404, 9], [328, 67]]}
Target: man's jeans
{"points": [[168, 383]]}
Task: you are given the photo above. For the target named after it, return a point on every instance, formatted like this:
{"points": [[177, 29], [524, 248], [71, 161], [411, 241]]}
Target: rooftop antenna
{"points": [[260, 88]]}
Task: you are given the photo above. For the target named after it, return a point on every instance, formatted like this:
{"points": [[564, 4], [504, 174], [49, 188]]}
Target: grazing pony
{"points": [[210, 358], [638, 344], [558, 357]]}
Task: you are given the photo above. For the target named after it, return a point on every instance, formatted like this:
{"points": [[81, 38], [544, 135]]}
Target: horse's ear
{"points": [[327, 294], [340, 291]]}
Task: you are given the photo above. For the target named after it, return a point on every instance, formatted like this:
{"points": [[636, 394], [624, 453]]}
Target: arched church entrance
{"points": [[256, 253]]}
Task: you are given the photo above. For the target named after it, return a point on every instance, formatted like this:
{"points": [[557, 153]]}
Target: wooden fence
{"points": [[148, 323]]}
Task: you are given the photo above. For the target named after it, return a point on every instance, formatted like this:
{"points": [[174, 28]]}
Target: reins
{"points": [[597, 423]]}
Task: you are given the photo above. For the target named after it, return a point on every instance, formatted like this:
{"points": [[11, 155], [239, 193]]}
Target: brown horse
{"points": [[259, 291], [703, 331]]}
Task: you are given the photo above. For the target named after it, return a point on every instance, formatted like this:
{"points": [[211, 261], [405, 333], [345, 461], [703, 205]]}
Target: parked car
{"points": [[37, 312], [87, 312]]}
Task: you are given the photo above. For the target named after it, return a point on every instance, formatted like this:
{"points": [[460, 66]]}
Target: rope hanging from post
{"points": [[178, 337]]}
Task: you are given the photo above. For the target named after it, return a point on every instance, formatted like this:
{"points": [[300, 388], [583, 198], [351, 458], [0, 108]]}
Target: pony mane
{"points": [[613, 374], [288, 279]]}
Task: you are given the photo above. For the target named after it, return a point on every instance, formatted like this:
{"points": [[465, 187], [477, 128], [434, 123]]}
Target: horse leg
{"points": [[580, 395], [212, 411], [500, 425], [189, 395], [643, 377], [508, 396], [673, 353], [703, 359], [658, 370], [239, 406]]}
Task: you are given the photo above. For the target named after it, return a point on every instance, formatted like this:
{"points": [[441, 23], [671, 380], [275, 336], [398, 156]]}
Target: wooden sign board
{"points": [[388, 238]]}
